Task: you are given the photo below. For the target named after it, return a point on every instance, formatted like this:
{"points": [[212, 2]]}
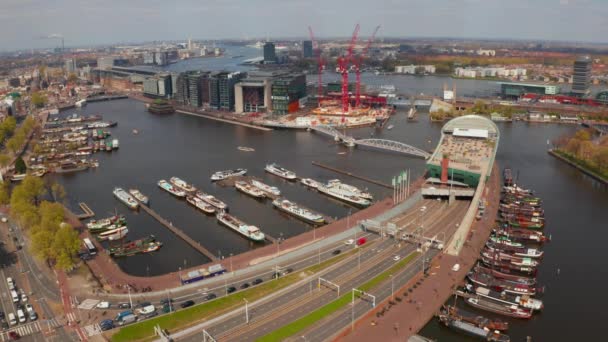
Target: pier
{"points": [[234, 122], [87, 212], [179, 233], [369, 180]]}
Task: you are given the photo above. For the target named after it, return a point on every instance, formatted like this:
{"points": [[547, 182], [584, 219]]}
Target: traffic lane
{"points": [[291, 295], [343, 319], [309, 307]]}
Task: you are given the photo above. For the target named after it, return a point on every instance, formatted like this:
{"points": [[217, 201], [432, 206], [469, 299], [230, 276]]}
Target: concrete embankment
{"points": [[589, 173], [224, 120]]}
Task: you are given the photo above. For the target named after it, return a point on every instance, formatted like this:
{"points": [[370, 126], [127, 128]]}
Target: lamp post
{"points": [[246, 311], [180, 274], [231, 269]]}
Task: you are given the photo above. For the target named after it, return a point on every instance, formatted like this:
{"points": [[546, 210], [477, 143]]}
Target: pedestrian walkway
{"points": [[92, 329], [22, 330]]}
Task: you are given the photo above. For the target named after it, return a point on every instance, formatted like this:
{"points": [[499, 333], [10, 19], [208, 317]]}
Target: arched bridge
{"points": [[382, 144]]}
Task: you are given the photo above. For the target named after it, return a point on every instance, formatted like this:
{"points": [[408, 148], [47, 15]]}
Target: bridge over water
{"points": [[381, 144]]}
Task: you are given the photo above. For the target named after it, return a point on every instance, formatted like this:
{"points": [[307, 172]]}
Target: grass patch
{"points": [[187, 317], [326, 310]]}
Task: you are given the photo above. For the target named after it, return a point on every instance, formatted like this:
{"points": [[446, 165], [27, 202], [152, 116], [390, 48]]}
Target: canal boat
{"points": [[508, 267], [390, 127], [525, 301], [113, 234], [139, 196], [125, 198], [273, 190], [521, 252], [472, 330], [221, 175], [163, 184], [502, 285], [249, 189], [245, 149], [519, 279], [522, 235], [279, 171], [200, 204], [69, 165], [181, 184], [503, 241], [523, 218], [514, 260], [514, 189], [337, 184], [309, 182], [115, 144], [474, 318], [248, 231], [144, 245], [526, 224], [105, 223], [212, 200], [298, 211], [345, 196], [514, 311], [20, 177]]}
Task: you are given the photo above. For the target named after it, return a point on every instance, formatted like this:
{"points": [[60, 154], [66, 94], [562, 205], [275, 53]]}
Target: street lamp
{"points": [[180, 274], [246, 311], [231, 269]]}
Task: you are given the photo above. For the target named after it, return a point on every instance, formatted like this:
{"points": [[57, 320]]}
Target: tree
{"points": [[39, 99], [4, 160], [4, 193], [20, 166], [66, 244], [57, 191]]}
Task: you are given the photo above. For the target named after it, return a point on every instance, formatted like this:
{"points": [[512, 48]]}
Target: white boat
{"points": [[81, 103], [200, 204], [267, 188], [182, 184], [221, 175], [249, 231], [249, 189], [113, 234], [245, 149], [125, 198], [106, 223], [390, 127], [163, 184], [336, 183], [342, 195], [212, 200], [139, 196], [279, 171], [114, 143], [309, 182], [297, 211]]}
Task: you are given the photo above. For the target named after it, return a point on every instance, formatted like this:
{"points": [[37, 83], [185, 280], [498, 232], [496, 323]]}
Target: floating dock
{"points": [[197, 246], [87, 212]]}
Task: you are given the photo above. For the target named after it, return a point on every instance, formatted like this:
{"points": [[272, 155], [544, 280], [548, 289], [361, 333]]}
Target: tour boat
{"points": [[249, 231], [163, 184], [113, 234], [245, 149], [139, 196], [273, 190], [297, 211], [279, 171], [525, 301], [125, 198], [336, 183], [249, 189], [181, 184], [200, 204], [221, 175], [345, 196], [309, 182], [212, 200]]}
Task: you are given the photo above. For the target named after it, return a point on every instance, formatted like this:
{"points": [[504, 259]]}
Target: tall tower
{"points": [[581, 76]]}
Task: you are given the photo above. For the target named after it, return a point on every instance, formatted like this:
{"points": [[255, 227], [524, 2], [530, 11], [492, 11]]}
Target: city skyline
{"points": [[95, 22]]}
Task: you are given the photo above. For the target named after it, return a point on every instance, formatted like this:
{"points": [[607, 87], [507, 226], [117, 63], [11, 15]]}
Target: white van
{"points": [[11, 319], [11, 283], [21, 316], [146, 310], [15, 296]]}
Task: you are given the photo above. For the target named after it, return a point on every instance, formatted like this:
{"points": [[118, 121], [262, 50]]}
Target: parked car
{"points": [[30, 312], [166, 301], [231, 289], [106, 322], [211, 296], [11, 283], [103, 305], [187, 303], [244, 286], [349, 242], [143, 304], [124, 305], [257, 281], [396, 258], [336, 252]]}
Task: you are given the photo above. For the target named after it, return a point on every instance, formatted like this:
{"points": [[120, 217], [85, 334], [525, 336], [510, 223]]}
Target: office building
{"points": [[161, 58], [70, 65], [159, 86], [307, 49], [105, 63], [192, 88], [515, 89], [270, 55], [581, 76], [287, 91], [221, 89], [148, 57]]}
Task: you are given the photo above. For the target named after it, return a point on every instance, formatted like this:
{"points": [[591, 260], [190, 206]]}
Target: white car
{"points": [[349, 242], [23, 296], [396, 258], [4, 219], [456, 267], [11, 283], [103, 305]]}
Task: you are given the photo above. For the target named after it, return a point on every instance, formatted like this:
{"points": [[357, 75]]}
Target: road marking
{"points": [[92, 329]]}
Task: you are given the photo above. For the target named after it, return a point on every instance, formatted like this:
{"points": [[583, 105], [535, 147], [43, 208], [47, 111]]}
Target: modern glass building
{"points": [[581, 76], [516, 89], [307, 49], [270, 55]]}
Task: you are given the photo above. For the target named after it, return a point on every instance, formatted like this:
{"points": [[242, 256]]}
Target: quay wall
{"points": [[584, 170]]}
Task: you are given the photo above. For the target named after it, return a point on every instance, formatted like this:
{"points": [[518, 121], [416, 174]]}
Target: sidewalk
{"points": [[410, 315]]}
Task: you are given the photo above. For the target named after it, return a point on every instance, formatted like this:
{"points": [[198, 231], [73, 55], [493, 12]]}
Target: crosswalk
{"points": [[92, 329], [71, 317], [22, 330]]}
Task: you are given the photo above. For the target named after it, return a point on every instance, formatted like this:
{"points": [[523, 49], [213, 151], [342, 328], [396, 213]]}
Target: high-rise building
{"points": [[148, 57], [70, 65], [307, 49], [581, 76], [158, 86], [161, 58], [192, 88], [105, 62], [221, 89], [270, 55], [287, 91]]}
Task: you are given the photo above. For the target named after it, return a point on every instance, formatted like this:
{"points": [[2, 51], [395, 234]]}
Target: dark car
{"points": [[257, 281], [168, 308], [143, 304], [287, 271], [106, 327], [4, 324], [166, 301], [1, 314], [244, 285], [13, 335], [124, 305], [211, 296], [187, 304], [336, 252], [231, 289]]}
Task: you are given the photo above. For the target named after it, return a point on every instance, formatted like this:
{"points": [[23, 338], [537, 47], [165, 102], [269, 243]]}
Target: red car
{"points": [[13, 335], [361, 241]]}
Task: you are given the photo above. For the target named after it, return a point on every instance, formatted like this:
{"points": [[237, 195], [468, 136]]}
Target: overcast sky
{"points": [[85, 22]]}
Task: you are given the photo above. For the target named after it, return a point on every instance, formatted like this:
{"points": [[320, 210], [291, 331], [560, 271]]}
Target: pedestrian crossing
{"points": [[71, 317], [22, 330], [92, 329]]}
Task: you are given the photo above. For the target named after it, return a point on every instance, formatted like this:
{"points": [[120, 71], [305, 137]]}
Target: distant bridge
{"points": [[382, 144]]}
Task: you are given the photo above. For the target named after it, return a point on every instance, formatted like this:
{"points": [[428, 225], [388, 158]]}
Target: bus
{"points": [[90, 246]]}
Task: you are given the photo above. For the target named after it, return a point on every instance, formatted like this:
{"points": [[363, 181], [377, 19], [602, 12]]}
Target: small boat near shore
{"points": [[248, 231], [125, 198], [523, 280], [273, 190], [502, 285], [245, 149], [139, 196], [163, 184], [113, 234], [211, 200], [336, 183], [514, 311], [472, 330], [522, 235], [309, 182], [200, 204], [281, 172], [182, 185], [298, 211], [525, 301], [221, 175], [249, 189], [521, 252], [106, 223], [508, 267], [145, 245], [473, 318]]}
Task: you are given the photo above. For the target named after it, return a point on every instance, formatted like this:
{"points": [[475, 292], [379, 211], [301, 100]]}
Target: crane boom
{"points": [[343, 62], [358, 62]]}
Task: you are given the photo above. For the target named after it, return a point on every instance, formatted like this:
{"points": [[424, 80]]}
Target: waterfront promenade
{"points": [[407, 317]]}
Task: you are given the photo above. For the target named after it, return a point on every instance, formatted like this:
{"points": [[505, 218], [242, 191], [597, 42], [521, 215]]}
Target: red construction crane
{"points": [[358, 62], [320, 65], [343, 64]]}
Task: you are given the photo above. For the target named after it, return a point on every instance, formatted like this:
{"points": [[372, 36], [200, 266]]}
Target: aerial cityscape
{"points": [[303, 171]]}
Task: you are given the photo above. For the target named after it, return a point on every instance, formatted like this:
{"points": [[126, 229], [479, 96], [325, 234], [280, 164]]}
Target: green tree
{"points": [[5, 193], [39, 99], [66, 244], [20, 166], [4, 160], [57, 191]]}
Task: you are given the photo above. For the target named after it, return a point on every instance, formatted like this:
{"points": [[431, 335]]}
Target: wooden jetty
{"points": [[346, 173], [87, 212], [196, 245]]}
